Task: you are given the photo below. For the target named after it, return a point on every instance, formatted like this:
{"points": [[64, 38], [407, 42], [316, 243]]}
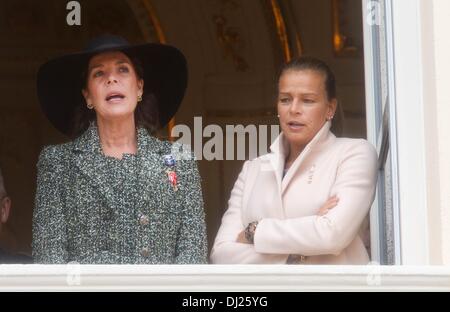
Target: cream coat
{"points": [[287, 208]]}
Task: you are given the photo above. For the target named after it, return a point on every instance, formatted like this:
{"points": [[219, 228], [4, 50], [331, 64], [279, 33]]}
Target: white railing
{"points": [[222, 278]]}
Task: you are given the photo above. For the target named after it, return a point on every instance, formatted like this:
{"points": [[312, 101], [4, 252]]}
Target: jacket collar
{"points": [[89, 141], [89, 160], [280, 149]]}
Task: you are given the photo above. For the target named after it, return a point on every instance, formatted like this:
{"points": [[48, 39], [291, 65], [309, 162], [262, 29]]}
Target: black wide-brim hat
{"points": [[60, 81]]}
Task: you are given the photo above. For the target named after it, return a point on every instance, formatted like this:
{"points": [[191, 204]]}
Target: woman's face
{"points": [[303, 105], [112, 86]]}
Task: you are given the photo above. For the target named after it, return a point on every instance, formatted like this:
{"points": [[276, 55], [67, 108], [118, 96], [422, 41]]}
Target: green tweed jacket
{"points": [[95, 209]]}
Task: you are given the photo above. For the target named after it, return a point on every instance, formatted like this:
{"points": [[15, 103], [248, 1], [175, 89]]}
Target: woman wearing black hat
{"points": [[115, 194]]}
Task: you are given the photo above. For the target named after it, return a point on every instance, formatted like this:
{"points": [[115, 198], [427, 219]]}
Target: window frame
{"points": [[407, 139], [223, 278], [406, 130]]}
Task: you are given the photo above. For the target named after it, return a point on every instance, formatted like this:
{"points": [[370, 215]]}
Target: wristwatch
{"points": [[250, 231]]}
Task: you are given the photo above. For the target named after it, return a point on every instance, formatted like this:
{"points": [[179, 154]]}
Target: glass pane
{"points": [[381, 101]]}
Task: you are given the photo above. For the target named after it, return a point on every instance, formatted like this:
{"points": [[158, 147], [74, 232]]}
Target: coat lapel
{"points": [[277, 161], [88, 160], [150, 169]]}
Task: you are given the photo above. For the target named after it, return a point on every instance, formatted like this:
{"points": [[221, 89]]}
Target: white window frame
{"points": [[407, 142], [410, 103], [407, 130], [377, 128], [224, 278]]}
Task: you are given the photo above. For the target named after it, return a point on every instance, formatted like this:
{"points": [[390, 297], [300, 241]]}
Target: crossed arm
{"points": [[329, 232]]}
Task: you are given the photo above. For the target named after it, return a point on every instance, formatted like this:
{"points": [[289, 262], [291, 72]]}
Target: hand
{"points": [[329, 204], [241, 238]]}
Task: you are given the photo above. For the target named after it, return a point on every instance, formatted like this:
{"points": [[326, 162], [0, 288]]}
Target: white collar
{"points": [[280, 147]]}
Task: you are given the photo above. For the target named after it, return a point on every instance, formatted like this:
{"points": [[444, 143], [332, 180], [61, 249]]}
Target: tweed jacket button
{"points": [[144, 220], [145, 252]]}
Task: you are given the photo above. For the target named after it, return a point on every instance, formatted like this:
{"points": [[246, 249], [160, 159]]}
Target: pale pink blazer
{"points": [[287, 208]]}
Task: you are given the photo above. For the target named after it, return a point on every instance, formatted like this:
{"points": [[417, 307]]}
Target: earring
{"points": [[139, 98], [278, 116], [90, 106]]}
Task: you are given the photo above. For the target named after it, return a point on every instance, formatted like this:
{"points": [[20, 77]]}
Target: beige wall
{"points": [[431, 133], [441, 9], [436, 98]]}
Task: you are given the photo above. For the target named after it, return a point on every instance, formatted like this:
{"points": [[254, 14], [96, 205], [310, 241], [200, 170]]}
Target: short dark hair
{"points": [[314, 64], [146, 113]]}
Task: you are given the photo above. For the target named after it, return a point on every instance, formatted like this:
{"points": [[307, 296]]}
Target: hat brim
{"points": [[59, 81]]}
